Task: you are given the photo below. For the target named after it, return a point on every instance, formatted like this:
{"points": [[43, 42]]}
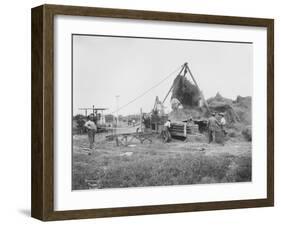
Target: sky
{"points": [[106, 67]]}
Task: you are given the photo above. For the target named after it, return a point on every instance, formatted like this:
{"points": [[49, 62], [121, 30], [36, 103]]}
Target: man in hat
{"points": [[222, 122], [92, 129], [213, 126], [167, 127]]}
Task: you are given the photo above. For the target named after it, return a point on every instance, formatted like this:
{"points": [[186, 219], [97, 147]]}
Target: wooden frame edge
{"points": [[270, 111], [37, 186], [155, 15], [42, 113], [42, 203], [158, 209]]}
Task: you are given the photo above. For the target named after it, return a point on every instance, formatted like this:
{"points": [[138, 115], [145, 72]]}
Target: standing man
{"points": [[146, 121], [167, 127], [213, 126], [92, 129], [222, 123]]}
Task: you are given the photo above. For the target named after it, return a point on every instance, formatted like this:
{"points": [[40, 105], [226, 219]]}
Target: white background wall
{"points": [[15, 112]]}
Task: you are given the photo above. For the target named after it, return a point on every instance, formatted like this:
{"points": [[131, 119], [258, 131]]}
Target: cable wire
{"points": [[144, 93]]}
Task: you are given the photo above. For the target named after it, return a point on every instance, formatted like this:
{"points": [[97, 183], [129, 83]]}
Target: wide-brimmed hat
{"points": [[221, 114]]}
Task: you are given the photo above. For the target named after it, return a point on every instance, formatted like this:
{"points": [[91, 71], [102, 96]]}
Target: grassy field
{"points": [[176, 163]]}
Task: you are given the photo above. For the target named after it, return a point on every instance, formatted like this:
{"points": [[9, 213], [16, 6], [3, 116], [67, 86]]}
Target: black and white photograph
{"points": [[150, 111]]}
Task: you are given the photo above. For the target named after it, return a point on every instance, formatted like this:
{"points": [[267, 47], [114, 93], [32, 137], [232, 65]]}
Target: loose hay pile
{"points": [[221, 104], [185, 114], [238, 113], [185, 92]]}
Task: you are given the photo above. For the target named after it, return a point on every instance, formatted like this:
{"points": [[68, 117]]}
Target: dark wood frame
{"points": [[42, 203]]}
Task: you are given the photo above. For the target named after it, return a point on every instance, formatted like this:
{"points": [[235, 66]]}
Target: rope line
{"points": [[144, 93]]}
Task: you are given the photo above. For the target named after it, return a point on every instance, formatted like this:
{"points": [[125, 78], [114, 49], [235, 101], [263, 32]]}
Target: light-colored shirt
{"points": [[223, 122], [200, 103], [168, 124], [91, 125]]}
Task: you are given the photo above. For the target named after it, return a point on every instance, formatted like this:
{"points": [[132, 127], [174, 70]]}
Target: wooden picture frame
{"points": [[42, 204]]}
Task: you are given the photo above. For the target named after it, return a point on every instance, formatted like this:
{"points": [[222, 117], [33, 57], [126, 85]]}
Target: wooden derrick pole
{"points": [[201, 94], [183, 67], [141, 120]]}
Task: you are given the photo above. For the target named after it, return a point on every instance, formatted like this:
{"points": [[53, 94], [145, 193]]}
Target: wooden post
{"points": [[201, 94], [184, 66], [140, 120], [117, 110]]}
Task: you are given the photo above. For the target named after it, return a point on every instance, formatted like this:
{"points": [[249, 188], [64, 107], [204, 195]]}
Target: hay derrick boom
{"points": [[186, 94], [191, 94], [188, 102]]}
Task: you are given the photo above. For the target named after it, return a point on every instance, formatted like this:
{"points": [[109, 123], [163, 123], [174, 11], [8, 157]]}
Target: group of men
{"points": [[216, 123]]}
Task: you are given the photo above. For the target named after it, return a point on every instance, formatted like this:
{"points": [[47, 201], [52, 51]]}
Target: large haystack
{"points": [[237, 111], [243, 108], [221, 104], [185, 92]]}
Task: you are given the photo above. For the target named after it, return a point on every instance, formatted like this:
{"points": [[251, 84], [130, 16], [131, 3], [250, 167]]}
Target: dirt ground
{"points": [[237, 148], [158, 163]]}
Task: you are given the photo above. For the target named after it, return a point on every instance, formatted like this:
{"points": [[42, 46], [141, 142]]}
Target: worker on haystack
{"points": [[91, 129], [175, 104], [166, 130], [222, 123], [213, 126]]}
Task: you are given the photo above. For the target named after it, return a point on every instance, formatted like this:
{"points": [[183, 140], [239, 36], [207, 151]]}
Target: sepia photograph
{"points": [[150, 111]]}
